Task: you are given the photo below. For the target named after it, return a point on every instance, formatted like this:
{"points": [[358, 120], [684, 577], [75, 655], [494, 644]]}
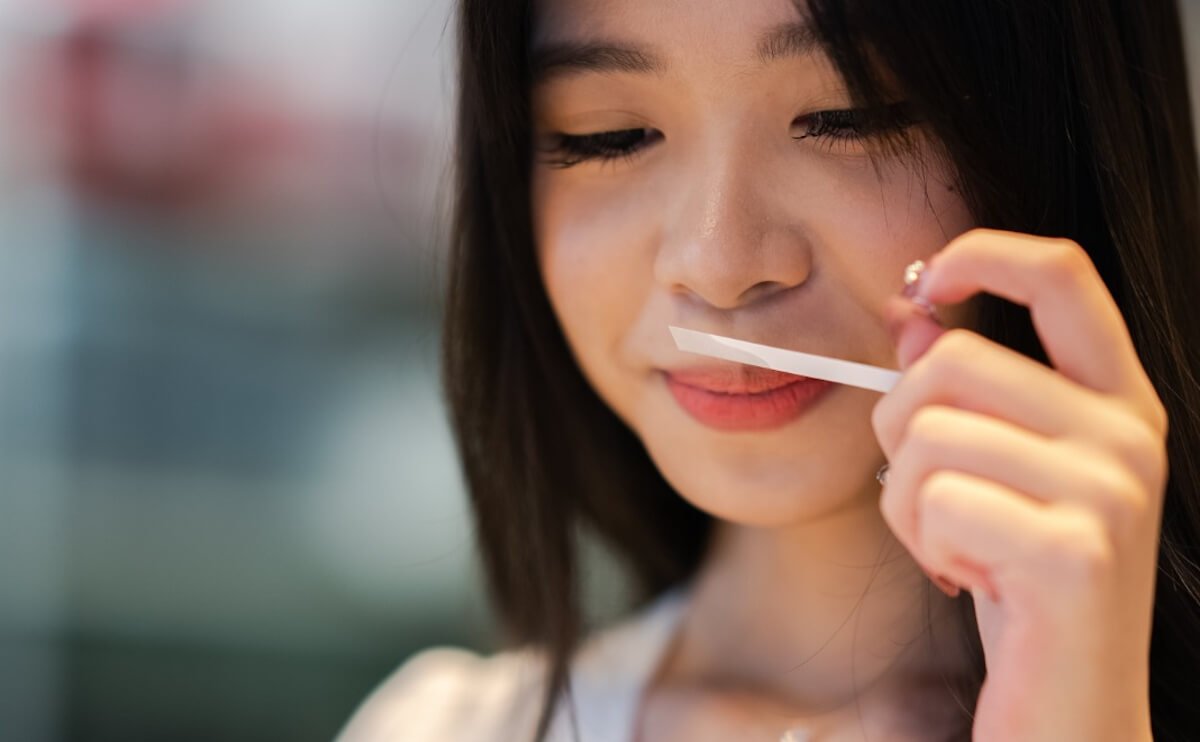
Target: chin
{"points": [[767, 479], [750, 491]]}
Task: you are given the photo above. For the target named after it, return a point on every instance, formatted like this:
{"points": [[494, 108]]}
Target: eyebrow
{"points": [[795, 39], [565, 58]]}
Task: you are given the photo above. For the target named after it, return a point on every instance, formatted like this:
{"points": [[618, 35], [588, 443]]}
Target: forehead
{"points": [[727, 32]]}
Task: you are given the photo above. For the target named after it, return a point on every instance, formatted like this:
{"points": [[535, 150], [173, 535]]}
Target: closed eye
{"points": [[832, 126], [853, 124], [572, 149]]}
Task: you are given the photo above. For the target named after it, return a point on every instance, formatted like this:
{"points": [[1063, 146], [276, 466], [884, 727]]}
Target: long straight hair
{"points": [[1065, 118]]}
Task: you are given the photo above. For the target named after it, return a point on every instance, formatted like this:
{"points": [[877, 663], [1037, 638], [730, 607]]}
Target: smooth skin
{"points": [[813, 608], [1039, 489]]}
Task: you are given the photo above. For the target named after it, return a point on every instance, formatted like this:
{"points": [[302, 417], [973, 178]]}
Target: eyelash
{"points": [[833, 125], [604, 146]]}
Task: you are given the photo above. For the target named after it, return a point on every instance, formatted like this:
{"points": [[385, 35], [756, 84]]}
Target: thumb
{"points": [[913, 329]]}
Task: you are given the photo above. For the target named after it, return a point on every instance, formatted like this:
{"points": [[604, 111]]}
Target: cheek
{"points": [[595, 253], [591, 224], [597, 248], [874, 225]]}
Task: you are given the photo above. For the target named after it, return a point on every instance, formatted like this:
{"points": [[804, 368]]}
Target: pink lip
{"points": [[743, 397]]}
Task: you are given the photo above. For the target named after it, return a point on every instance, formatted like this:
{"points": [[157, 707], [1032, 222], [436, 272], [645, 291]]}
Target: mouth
{"points": [[742, 398]]}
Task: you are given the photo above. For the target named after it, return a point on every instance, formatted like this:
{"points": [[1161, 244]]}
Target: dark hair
{"points": [[1066, 118]]}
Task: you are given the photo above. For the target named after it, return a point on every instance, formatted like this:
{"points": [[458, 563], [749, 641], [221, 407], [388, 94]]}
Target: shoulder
{"points": [[448, 695], [445, 694]]}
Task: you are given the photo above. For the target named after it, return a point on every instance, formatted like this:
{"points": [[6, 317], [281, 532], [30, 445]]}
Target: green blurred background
{"points": [[229, 505], [228, 500]]}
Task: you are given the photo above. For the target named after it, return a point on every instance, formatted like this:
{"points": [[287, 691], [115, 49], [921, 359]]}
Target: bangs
{"points": [[858, 39], [987, 80]]}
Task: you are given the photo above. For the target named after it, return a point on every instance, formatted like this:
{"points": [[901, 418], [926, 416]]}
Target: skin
{"points": [[813, 606], [1039, 489]]}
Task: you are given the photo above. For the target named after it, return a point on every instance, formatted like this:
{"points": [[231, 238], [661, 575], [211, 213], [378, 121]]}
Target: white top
{"points": [[452, 695]]}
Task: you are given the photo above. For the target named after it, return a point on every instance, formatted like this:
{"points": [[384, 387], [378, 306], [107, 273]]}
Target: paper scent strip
{"points": [[789, 361]]}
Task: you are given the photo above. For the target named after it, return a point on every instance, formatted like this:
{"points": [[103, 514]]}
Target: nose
{"points": [[727, 240]]}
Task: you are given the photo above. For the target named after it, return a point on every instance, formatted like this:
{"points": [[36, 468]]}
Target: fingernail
{"points": [[914, 291], [979, 577], [943, 583], [946, 586]]}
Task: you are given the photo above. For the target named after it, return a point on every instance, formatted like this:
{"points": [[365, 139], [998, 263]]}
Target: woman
{"points": [[768, 170]]}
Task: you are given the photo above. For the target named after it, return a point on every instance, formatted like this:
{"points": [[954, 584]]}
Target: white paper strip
{"points": [[790, 361]]}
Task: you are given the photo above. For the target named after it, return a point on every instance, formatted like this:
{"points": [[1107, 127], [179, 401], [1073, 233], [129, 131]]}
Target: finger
{"points": [[964, 369], [1076, 318], [972, 526], [912, 330], [1049, 471]]}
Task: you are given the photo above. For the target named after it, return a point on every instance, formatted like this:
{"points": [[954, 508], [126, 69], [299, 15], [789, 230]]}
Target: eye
{"points": [[854, 124], [572, 149]]}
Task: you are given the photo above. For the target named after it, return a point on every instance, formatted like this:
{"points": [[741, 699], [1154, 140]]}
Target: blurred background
{"points": [[228, 500], [229, 505]]}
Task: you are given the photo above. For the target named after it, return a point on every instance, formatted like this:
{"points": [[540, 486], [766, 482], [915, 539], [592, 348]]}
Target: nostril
{"points": [[760, 291]]}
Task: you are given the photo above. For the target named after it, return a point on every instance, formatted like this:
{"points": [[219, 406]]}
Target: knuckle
{"points": [[1077, 549], [937, 508], [928, 423], [1120, 499], [937, 490], [927, 437], [956, 342], [1162, 419], [971, 235], [949, 357], [1131, 434], [1155, 411], [1138, 446], [1064, 260], [916, 379], [981, 233], [936, 493]]}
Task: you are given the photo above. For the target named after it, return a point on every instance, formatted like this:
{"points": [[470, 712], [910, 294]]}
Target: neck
{"points": [[815, 614]]}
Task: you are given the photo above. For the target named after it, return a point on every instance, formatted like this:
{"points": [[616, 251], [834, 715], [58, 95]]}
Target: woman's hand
{"points": [[1039, 489]]}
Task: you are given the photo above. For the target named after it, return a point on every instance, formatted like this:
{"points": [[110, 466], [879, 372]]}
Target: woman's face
{"points": [[715, 200]]}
